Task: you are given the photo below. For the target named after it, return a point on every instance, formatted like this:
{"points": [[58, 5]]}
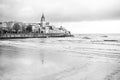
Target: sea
{"points": [[82, 57]]}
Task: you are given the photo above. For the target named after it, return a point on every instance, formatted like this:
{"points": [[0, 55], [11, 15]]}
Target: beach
{"points": [[83, 57]]}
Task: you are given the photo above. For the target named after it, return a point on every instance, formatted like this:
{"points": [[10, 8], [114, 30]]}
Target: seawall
{"points": [[33, 35]]}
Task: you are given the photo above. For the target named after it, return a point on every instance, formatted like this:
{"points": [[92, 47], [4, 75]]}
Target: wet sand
{"points": [[60, 59]]}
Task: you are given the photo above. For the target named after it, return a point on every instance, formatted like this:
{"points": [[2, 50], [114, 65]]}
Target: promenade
{"points": [[33, 35]]}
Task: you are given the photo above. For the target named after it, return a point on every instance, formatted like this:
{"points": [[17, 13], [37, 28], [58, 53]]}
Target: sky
{"points": [[75, 15]]}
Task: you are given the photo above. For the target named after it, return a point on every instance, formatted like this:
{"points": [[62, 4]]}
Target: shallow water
{"points": [[84, 57]]}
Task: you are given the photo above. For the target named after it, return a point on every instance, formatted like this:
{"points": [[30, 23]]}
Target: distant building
{"points": [[3, 24], [42, 27], [47, 28], [35, 28]]}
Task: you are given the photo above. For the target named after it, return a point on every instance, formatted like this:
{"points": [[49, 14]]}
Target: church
{"points": [[45, 27]]}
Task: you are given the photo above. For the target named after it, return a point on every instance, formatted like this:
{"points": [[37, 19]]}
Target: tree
{"points": [[9, 28], [16, 27], [23, 28], [1, 31], [29, 28]]}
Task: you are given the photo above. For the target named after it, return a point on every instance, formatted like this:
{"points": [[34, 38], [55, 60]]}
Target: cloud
{"points": [[26, 11], [59, 10]]}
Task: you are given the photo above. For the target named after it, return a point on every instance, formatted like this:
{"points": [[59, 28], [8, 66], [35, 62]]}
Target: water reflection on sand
{"points": [[60, 59]]}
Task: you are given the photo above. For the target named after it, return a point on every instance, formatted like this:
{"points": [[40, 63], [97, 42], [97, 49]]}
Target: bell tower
{"points": [[43, 18], [43, 21]]}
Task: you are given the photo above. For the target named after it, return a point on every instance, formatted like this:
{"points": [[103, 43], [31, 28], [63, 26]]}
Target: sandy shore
{"points": [[59, 59]]}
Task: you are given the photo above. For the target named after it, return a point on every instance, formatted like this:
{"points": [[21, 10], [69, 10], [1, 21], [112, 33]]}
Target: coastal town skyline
{"points": [[78, 16]]}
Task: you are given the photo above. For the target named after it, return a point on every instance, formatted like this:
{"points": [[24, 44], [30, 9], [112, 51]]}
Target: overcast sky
{"points": [[64, 12], [59, 10]]}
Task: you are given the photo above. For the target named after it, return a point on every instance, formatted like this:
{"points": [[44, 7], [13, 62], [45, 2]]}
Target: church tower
{"points": [[43, 18], [43, 21]]}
